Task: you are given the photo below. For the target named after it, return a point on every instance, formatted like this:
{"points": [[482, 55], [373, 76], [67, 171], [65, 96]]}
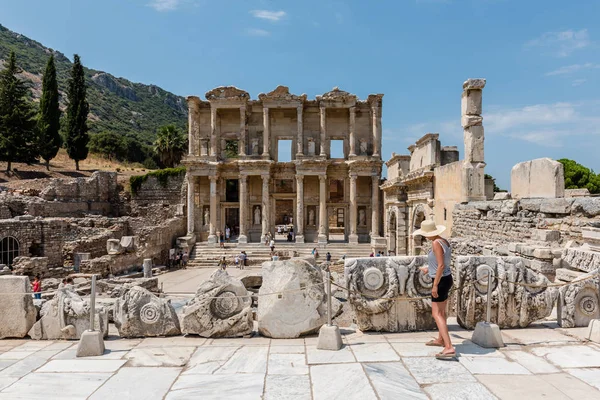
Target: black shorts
{"points": [[443, 289]]}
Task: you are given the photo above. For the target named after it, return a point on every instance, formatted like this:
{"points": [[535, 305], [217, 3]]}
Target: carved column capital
{"points": [[300, 178], [322, 178], [213, 178], [243, 179]]}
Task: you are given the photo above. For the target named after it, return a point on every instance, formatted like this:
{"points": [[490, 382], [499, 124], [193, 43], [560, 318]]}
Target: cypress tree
{"points": [[18, 141], [48, 123], [77, 112]]}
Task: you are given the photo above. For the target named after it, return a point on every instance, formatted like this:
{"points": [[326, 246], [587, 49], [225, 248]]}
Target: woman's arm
{"points": [[439, 257]]}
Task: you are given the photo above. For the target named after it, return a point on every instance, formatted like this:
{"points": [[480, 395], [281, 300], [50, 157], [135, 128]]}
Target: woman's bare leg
{"points": [[439, 315]]}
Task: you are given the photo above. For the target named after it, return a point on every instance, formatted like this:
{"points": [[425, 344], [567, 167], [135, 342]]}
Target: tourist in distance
{"points": [[223, 264], [227, 233], [221, 240], [272, 245], [315, 252], [328, 256], [438, 268], [37, 287]]}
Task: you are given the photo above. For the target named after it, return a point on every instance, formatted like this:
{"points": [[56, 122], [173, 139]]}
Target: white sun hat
{"points": [[429, 229]]}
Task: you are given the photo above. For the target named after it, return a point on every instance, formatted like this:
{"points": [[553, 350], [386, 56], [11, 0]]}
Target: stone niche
{"points": [[580, 301], [17, 312], [381, 289], [513, 305], [540, 178]]}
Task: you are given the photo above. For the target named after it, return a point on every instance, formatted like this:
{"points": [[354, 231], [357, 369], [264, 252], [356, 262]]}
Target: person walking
{"points": [[272, 245], [221, 240], [328, 256], [184, 259], [315, 252], [438, 268], [244, 259], [227, 233], [37, 287], [223, 264]]}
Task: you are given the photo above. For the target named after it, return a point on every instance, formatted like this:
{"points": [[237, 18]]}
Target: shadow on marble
{"points": [[316, 356]]}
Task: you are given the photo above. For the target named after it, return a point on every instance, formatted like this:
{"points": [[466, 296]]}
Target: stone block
{"points": [[330, 338], [567, 275], [543, 267], [557, 263], [532, 205], [113, 246], [474, 143], [591, 235], [17, 312], [471, 102], [510, 207], [525, 250], [513, 247], [579, 302], [577, 192], [474, 83], [593, 333], [556, 206], [471, 120], [78, 258], [543, 253], [487, 336], [90, 344], [147, 265], [588, 206], [545, 235], [581, 259], [540, 178], [129, 243], [502, 196]]}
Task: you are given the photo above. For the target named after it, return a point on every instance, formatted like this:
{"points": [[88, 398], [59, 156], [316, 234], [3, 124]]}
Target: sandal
{"points": [[433, 342], [446, 356]]}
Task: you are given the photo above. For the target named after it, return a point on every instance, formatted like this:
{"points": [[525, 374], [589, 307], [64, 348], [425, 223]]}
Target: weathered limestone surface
{"points": [[296, 312], [542, 177], [513, 306], [581, 258], [139, 313], [374, 283], [17, 312], [220, 308], [67, 316], [580, 301]]}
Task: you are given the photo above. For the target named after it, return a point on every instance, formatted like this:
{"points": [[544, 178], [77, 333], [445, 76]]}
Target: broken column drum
{"points": [[514, 305], [380, 291], [580, 301]]}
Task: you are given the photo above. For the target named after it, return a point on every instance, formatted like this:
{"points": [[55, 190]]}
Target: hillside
{"points": [[116, 104]]}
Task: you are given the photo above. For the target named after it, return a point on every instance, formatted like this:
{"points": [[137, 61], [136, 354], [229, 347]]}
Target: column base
{"points": [[322, 239], [353, 239], [299, 155], [299, 238], [212, 239], [242, 239], [379, 243]]}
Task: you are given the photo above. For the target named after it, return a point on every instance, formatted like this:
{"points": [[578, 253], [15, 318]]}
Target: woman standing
{"points": [[223, 264], [438, 268]]}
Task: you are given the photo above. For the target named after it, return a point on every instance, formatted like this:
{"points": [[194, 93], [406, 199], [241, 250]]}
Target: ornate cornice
{"points": [[227, 93], [281, 94]]}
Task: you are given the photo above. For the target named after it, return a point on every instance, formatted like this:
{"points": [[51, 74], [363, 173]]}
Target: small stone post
{"points": [[92, 341], [330, 337], [147, 268], [473, 182], [487, 334]]}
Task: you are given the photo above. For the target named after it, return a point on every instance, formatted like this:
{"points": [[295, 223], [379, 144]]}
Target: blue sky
{"points": [[540, 59]]}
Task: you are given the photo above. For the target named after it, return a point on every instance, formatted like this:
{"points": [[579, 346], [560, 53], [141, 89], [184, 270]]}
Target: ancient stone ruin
{"points": [[17, 312]]}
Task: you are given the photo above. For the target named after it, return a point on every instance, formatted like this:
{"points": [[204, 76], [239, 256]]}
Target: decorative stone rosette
{"points": [[380, 291], [221, 308], [579, 302], [139, 313], [513, 305]]}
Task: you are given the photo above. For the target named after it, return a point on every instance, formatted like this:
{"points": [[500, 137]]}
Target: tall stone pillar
{"points": [[243, 237], [322, 238], [473, 177], [213, 131], [352, 131], [323, 115], [242, 142], [266, 134], [300, 139], [299, 208], [374, 207], [191, 194], [194, 126], [212, 233], [266, 214], [376, 131], [353, 238]]}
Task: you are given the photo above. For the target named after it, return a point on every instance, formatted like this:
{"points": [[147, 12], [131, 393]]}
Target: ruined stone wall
{"points": [[89, 235], [157, 201], [448, 192]]}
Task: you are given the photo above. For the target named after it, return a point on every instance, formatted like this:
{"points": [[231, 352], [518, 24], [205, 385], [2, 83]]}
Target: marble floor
{"points": [[540, 362]]}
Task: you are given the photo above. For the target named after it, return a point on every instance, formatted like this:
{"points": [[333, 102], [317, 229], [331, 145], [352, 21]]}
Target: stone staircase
{"points": [[206, 255]]}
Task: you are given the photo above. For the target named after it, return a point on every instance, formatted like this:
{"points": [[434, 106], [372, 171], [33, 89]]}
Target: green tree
{"points": [[170, 146], [496, 188], [77, 112], [109, 144], [579, 177], [17, 117], [48, 123]]}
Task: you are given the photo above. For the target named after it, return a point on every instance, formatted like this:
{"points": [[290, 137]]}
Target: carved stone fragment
{"points": [[17, 312], [580, 301]]}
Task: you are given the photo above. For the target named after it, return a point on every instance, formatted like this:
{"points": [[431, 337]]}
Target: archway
{"points": [[9, 250], [417, 241]]}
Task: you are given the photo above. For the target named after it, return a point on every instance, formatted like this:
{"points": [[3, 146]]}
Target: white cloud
{"points": [[561, 44], [258, 32], [578, 82], [504, 120], [164, 5], [569, 69], [268, 15]]}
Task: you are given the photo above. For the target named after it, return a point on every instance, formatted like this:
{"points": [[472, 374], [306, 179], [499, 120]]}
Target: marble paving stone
{"points": [[71, 354], [248, 360], [534, 364], [589, 375], [392, 381], [537, 335], [251, 341], [15, 355], [6, 363], [159, 357], [173, 341], [66, 386], [430, 370], [341, 381], [287, 387], [207, 359], [28, 364], [214, 387], [312, 341], [406, 349], [287, 364], [138, 383], [570, 356], [410, 337], [470, 349], [6, 381], [571, 386], [34, 345], [287, 342], [60, 345], [287, 349], [373, 352], [366, 337], [316, 356], [493, 366], [529, 387], [459, 391], [82, 365]]}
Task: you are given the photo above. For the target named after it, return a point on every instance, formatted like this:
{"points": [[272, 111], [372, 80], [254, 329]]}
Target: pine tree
{"points": [[18, 141], [77, 112], [48, 123]]}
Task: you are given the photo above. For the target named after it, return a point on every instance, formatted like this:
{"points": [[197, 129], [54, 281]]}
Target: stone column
{"points": [[375, 207], [191, 194], [194, 127], [353, 237], [299, 208], [473, 177], [352, 129], [322, 238], [213, 131], [242, 142], [265, 207], [266, 134], [376, 131], [212, 233], [243, 237], [300, 138], [323, 115]]}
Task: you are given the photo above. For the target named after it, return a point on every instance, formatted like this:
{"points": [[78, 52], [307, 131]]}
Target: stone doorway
{"points": [[232, 220], [337, 224], [284, 218]]}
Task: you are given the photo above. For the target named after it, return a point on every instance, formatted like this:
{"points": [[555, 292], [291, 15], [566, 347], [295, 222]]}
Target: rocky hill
{"points": [[116, 104]]}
